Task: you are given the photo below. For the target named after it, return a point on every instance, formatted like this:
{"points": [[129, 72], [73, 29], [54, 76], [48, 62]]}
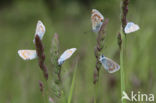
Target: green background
{"points": [[71, 20]]}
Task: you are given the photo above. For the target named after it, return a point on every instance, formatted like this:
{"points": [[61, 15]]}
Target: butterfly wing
{"points": [[131, 27], [66, 55], [97, 20], [27, 54], [40, 29], [109, 65]]}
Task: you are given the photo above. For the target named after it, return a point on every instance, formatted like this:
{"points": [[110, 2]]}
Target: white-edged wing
{"points": [[109, 64], [97, 20], [66, 55], [40, 29], [27, 54], [131, 27]]}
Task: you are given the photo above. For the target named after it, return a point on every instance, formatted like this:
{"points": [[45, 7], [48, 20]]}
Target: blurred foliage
{"points": [[71, 20]]}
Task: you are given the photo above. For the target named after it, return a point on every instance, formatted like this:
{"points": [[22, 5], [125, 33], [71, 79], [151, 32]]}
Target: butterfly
{"points": [[109, 64], [131, 27], [66, 55], [27, 54], [31, 54], [40, 30], [97, 20]]}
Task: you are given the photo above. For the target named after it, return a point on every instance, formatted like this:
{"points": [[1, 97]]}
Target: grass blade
{"points": [[122, 64], [72, 85]]}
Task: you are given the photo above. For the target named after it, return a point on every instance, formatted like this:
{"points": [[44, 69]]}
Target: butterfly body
{"points": [[66, 55], [40, 30], [109, 64], [97, 20], [131, 27], [27, 54]]}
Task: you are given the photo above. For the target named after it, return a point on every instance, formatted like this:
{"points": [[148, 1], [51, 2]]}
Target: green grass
{"points": [[72, 84], [19, 79], [122, 54]]}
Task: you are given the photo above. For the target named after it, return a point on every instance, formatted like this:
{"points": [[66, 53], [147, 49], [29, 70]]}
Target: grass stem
{"points": [[72, 85], [122, 74]]}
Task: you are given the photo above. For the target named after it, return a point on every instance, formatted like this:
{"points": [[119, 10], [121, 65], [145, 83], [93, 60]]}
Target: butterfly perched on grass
{"points": [[109, 64], [27, 54], [31, 54], [66, 55], [97, 20], [131, 27], [40, 30]]}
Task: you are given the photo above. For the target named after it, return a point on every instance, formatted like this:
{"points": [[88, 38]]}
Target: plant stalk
{"points": [[122, 74], [73, 84]]}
